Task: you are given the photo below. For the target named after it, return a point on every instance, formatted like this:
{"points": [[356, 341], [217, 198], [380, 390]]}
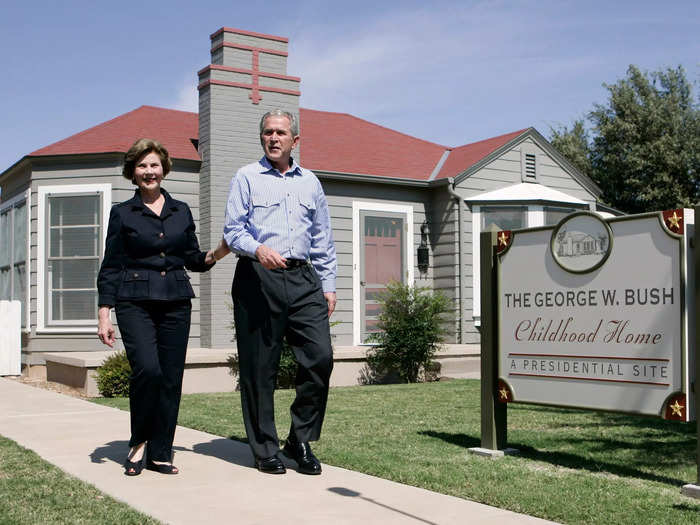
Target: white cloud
{"points": [[188, 96]]}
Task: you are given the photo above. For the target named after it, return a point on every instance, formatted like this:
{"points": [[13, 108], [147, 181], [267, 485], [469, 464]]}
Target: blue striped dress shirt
{"points": [[287, 213]]}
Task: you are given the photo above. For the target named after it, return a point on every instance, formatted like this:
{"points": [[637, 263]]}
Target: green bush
{"points": [[410, 332], [113, 376]]}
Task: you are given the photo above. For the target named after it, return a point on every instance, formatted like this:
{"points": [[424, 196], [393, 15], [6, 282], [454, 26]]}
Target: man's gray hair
{"points": [[293, 125]]}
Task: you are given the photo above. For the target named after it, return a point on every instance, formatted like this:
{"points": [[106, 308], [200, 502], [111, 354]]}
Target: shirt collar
{"points": [[267, 167], [169, 205]]}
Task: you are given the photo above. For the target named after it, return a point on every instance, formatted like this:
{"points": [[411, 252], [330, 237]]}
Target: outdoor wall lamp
{"points": [[423, 252]]}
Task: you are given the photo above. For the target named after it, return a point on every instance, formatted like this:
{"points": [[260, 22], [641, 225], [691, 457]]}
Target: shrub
{"points": [[410, 332], [113, 376]]}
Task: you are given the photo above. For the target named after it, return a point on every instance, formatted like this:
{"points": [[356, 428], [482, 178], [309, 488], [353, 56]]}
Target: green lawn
{"points": [[575, 466], [33, 492]]}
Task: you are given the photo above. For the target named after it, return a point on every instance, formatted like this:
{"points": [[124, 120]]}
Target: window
{"points": [[13, 260], [73, 257], [73, 220], [552, 215], [503, 217]]}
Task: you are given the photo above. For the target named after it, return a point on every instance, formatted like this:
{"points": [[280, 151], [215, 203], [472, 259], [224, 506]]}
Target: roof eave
{"points": [[362, 177], [24, 160]]}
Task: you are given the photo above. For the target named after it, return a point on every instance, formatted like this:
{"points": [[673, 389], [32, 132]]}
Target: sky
{"points": [[451, 72]]}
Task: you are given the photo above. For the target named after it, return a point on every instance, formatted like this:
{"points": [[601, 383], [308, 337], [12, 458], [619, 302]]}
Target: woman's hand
{"points": [[221, 251], [105, 329]]}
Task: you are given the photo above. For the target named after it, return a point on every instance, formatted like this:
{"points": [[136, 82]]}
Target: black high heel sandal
{"points": [[133, 468], [164, 468]]}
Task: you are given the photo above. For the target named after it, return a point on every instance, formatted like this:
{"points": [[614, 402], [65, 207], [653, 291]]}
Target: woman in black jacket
{"points": [[150, 241]]}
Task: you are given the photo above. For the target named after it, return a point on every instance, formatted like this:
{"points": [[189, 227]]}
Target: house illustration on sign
{"points": [[575, 244]]}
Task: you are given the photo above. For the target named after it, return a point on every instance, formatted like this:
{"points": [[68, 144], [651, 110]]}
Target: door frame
{"points": [[358, 206]]}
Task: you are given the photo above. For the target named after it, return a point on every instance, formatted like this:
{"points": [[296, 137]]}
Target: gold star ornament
{"points": [[503, 239], [677, 409], [504, 393], [674, 221]]}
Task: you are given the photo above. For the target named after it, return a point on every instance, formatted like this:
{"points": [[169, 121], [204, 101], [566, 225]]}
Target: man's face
{"points": [[277, 140]]}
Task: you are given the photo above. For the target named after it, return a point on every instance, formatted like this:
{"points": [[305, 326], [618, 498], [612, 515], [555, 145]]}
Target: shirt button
{"points": [[161, 235], [162, 273], [162, 254]]}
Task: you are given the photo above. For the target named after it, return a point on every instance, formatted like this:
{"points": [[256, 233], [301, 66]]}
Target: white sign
{"points": [[591, 315]]}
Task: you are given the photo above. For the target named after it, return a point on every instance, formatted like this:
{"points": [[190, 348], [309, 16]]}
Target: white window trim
{"points": [[358, 206], [535, 216], [12, 202], [106, 192]]}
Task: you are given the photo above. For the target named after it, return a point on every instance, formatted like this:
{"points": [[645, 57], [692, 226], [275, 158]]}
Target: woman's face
{"points": [[148, 172]]}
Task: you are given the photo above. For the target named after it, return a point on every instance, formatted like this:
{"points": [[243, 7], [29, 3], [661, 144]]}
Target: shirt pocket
{"points": [[307, 206], [264, 207], [135, 285], [184, 288]]}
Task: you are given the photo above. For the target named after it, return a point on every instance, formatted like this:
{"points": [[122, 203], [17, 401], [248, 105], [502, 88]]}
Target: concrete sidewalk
{"points": [[217, 483]]}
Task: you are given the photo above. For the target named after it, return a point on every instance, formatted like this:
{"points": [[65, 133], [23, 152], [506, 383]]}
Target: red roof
{"points": [[331, 142], [463, 157], [343, 143], [174, 129]]}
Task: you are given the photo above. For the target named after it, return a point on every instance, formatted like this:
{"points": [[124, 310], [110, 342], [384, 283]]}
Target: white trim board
{"points": [[106, 191], [358, 206]]}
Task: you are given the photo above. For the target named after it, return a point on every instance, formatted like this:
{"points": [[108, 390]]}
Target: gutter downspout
{"points": [[458, 201]]}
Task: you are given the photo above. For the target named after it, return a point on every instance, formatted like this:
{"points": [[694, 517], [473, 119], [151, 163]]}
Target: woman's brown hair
{"points": [[143, 147]]}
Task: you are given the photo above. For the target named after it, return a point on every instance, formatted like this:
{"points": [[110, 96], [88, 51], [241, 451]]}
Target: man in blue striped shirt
{"points": [[277, 221]]}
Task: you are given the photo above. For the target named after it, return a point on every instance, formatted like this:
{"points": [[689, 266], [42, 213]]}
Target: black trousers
{"points": [[155, 337], [269, 305]]}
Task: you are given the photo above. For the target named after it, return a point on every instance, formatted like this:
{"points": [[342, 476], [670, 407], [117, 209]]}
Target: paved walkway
{"points": [[217, 483]]}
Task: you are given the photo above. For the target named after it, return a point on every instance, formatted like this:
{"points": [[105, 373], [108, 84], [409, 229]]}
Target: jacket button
{"points": [[162, 273], [161, 235], [136, 275], [162, 254]]}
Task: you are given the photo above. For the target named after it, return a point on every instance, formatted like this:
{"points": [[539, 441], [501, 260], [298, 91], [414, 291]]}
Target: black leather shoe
{"points": [[271, 465], [302, 454]]}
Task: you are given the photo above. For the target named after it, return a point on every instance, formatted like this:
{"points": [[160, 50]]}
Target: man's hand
{"points": [[269, 258], [330, 299]]}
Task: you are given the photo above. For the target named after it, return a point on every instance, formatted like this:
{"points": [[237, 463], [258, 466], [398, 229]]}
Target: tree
{"points": [[573, 144], [645, 146]]}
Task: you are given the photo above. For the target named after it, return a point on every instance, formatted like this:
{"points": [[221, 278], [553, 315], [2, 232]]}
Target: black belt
{"points": [[291, 263], [294, 263]]}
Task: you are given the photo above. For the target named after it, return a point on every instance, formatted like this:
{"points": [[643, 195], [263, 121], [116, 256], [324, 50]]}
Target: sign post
{"points": [[693, 489], [494, 422]]}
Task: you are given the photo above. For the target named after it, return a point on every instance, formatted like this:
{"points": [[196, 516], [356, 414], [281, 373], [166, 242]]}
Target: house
{"points": [[388, 194]]}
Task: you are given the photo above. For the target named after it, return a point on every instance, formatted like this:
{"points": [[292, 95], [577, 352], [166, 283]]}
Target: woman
{"points": [[150, 240]]}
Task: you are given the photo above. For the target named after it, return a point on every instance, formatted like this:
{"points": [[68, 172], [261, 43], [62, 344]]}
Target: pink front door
{"points": [[382, 261]]}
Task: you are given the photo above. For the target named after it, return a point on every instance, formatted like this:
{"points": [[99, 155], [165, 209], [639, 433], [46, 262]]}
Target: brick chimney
{"points": [[246, 78]]}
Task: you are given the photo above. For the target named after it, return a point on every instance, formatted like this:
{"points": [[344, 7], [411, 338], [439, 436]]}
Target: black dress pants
{"points": [[269, 305], [155, 337]]}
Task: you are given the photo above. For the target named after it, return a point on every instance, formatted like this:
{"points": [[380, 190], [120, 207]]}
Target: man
{"points": [[277, 221]]}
